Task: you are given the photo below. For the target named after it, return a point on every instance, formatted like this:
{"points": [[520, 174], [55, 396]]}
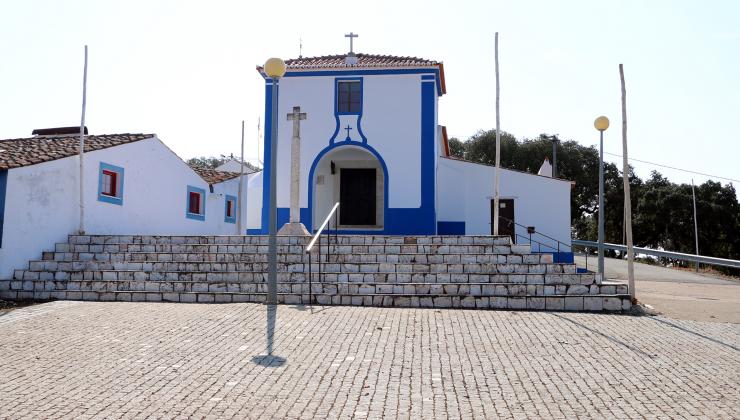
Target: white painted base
{"points": [[293, 229]]}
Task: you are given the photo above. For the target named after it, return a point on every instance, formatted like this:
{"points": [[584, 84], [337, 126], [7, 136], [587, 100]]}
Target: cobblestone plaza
{"points": [[120, 359]]}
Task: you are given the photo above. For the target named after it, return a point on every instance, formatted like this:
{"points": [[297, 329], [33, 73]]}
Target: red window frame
{"points": [[194, 202], [113, 192]]}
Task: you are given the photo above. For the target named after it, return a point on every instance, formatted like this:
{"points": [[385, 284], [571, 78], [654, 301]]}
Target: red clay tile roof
{"points": [[363, 61], [213, 176], [16, 153]]}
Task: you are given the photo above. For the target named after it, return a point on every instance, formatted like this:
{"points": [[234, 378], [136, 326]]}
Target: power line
{"points": [[674, 168]]}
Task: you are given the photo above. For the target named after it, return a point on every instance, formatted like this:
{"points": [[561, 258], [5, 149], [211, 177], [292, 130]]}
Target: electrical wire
{"points": [[674, 168]]}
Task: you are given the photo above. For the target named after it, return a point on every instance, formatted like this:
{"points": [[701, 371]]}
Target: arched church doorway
{"points": [[354, 177]]}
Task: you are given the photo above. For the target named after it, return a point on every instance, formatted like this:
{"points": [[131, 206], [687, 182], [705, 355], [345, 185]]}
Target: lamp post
{"points": [[275, 69], [601, 124]]}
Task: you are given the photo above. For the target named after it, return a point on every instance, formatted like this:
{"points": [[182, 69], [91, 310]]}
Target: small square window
{"points": [[349, 97], [194, 203], [230, 209], [195, 206], [110, 184]]}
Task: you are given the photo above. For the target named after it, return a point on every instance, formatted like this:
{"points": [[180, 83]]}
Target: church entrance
{"points": [[353, 177], [357, 196]]}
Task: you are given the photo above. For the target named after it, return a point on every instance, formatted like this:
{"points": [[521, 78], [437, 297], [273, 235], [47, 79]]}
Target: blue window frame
{"points": [[230, 209], [349, 96], [195, 203], [110, 184]]}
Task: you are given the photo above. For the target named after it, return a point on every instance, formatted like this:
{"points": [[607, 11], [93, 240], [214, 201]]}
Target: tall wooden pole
{"points": [[696, 224], [627, 200], [498, 146], [82, 149], [241, 183]]}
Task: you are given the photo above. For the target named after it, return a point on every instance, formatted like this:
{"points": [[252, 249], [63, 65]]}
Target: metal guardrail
{"points": [[309, 248], [665, 254]]}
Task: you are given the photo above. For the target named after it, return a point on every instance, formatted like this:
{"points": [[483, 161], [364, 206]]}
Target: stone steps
{"points": [[263, 239], [101, 270], [300, 276], [438, 271], [297, 249], [419, 288], [599, 303], [236, 257]]}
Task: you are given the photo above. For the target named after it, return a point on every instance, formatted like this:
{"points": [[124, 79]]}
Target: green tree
{"points": [[457, 148]]}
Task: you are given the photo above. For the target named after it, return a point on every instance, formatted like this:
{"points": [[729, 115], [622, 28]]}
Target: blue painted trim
{"points": [[337, 129], [368, 72], [228, 219], [428, 141], [450, 228], [3, 189], [118, 199], [308, 222], [267, 167], [196, 216]]}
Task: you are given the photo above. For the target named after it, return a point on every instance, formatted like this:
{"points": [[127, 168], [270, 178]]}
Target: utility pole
{"points": [[239, 196], [498, 147], [82, 149], [627, 199], [696, 228]]}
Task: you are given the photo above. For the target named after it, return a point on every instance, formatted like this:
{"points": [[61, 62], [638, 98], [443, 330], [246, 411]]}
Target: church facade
{"points": [[373, 143]]}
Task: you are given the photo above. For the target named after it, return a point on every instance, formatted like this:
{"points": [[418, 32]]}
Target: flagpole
{"points": [[82, 149], [627, 198], [239, 194], [498, 147]]}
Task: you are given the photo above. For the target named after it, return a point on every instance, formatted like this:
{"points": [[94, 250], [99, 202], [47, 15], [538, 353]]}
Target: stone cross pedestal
{"points": [[294, 227]]}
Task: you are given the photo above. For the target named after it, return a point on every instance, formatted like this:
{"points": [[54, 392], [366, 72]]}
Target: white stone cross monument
{"points": [[294, 227]]}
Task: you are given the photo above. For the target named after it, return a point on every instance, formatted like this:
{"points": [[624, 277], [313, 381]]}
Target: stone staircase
{"points": [[425, 271]]}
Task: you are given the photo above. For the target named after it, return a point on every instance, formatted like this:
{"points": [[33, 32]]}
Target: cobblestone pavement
{"points": [[94, 359]]}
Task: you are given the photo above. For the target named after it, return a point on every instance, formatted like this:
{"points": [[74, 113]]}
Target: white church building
{"points": [[372, 142]]}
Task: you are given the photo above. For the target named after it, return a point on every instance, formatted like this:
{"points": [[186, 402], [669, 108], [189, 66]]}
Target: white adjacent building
{"points": [[133, 184], [372, 142]]}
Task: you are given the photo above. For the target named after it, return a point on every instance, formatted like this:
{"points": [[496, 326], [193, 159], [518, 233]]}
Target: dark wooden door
{"points": [[357, 196], [506, 224]]}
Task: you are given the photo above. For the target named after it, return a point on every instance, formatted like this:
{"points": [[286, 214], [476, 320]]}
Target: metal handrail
{"points": [[538, 233], [309, 248], [321, 229]]}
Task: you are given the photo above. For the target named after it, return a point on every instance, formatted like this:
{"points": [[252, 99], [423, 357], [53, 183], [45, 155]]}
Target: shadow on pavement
{"points": [[684, 329], [608, 337], [270, 360]]}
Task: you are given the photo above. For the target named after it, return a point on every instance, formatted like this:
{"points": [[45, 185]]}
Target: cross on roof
{"points": [[348, 128], [350, 36]]}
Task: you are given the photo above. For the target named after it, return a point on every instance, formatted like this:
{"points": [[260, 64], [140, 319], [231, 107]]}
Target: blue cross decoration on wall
{"points": [[348, 128]]}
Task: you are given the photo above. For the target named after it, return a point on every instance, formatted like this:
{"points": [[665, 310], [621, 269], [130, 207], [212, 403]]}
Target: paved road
{"points": [[678, 293], [94, 359]]}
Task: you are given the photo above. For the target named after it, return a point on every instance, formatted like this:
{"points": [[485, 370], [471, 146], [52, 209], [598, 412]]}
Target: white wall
{"points": [[41, 206], [391, 121], [466, 189]]}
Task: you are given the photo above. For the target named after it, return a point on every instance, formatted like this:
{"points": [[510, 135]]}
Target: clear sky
{"points": [[185, 70]]}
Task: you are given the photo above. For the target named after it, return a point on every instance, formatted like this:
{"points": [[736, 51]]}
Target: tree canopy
{"points": [[662, 211]]}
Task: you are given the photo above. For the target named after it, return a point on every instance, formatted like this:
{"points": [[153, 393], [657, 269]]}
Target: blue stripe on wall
{"points": [[3, 188], [267, 167], [450, 228]]}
